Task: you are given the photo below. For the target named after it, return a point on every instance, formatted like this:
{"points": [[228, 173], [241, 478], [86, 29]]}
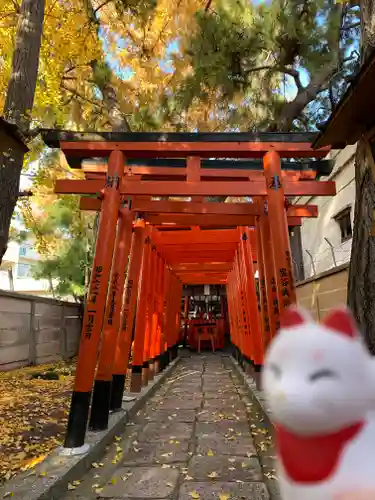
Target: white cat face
{"points": [[317, 380]]}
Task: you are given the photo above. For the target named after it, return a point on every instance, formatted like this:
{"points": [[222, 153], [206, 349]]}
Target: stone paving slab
{"points": [[153, 415], [222, 382], [164, 432], [219, 445], [187, 382], [223, 491], [144, 482], [226, 428], [225, 469], [158, 452], [229, 396], [186, 403], [221, 414], [219, 383], [223, 403]]}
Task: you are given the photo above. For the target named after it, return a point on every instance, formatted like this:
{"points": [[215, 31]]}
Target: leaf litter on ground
{"points": [[34, 404]]}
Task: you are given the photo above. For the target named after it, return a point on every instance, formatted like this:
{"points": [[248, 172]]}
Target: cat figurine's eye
{"points": [[275, 369], [325, 373]]}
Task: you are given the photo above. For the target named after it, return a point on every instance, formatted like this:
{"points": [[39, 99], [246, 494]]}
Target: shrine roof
{"points": [[211, 147], [52, 137], [322, 167], [354, 115]]}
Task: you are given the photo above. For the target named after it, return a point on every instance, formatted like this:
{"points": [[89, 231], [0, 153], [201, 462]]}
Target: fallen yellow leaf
{"points": [[194, 494], [224, 496]]}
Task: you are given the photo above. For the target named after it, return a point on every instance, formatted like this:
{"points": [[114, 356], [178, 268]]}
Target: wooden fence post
{"points": [[32, 336]]}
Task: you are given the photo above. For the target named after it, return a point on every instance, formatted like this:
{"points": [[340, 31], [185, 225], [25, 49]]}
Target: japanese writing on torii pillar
{"points": [[114, 291], [91, 312], [285, 283], [265, 305], [275, 182], [128, 294], [112, 181], [274, 293]]}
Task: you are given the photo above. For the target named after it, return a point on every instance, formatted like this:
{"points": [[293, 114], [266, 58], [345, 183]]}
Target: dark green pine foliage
{"points": [[286, 61]]}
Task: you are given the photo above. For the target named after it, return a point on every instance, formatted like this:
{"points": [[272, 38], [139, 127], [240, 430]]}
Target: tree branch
{"points": [[80, 96], [16, 6], [106, 2], [295, 74], [257, 68], [350, 26], [293, 109]]}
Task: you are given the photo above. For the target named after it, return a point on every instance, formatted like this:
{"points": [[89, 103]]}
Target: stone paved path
{"points": [[193, 440]]}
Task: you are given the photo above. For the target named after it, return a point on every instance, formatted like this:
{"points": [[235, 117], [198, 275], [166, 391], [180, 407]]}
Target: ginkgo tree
{"points": [[75, 70]]}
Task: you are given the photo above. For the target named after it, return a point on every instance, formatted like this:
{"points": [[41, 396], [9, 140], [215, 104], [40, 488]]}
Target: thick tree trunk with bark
{"points": [[18, 105], [361, 286]]}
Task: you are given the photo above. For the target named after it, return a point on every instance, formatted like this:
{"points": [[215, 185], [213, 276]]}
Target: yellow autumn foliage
{"points": [[68, 41], [144, 48]]}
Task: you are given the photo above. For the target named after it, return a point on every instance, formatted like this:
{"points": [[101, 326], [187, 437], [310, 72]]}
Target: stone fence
{"points": [[36, 330]]}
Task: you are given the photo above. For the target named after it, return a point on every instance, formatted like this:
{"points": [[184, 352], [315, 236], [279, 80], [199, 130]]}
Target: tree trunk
{"points": [[361, 285], [18, 105]]}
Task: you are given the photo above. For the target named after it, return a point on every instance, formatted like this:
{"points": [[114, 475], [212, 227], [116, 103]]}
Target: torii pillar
{"points": [[279, 231]]}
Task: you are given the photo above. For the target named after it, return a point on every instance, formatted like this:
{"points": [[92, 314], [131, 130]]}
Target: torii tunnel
{"points": [[141, 265]]}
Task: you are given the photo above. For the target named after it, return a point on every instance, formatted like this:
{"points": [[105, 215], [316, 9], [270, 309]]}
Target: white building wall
{"points": [[20, 257], [313, 231]]}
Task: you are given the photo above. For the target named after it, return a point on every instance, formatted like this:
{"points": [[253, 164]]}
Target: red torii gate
{"points": [[162, 261]]}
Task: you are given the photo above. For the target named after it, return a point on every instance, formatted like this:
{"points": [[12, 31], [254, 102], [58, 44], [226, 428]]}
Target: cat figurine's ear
{"points": [[293, 317], [342, 321]]}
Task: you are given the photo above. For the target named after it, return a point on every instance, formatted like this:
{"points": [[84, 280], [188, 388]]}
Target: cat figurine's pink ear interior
{"points": [[293, 317], [341, 320]]}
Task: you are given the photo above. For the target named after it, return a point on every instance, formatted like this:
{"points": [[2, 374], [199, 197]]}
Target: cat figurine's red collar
{"points": [[312, 459]]}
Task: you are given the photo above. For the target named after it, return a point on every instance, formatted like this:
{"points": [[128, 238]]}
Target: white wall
{"points": [[20, 257], [313, 231]]}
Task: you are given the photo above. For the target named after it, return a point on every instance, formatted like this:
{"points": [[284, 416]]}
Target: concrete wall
{"points": [[36, 330], [313, 231], [321, 293]]}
